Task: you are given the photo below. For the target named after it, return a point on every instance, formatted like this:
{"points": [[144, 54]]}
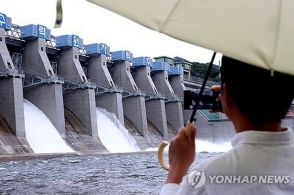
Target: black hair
{"points": [[261, 96]]}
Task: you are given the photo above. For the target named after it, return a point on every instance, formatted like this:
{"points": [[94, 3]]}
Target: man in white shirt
{"points": [[262, 158]]}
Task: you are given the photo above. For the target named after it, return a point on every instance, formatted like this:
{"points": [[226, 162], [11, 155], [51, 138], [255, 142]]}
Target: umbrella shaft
{"points": [[202, 88]]}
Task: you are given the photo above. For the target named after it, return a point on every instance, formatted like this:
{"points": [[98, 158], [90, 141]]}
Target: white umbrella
{"points": [[257, 32]]}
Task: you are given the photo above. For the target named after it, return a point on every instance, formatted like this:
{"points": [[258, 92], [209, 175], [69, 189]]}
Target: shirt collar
{"points": [[263, 137]]}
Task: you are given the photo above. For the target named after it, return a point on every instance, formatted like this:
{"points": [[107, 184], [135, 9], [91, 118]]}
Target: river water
{"points": [[119, 172], [129, 173]]}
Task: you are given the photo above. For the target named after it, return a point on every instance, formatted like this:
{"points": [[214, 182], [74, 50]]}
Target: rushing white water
{"points": [[207, 146], [113, 135], [41, 133], [153, 149]]}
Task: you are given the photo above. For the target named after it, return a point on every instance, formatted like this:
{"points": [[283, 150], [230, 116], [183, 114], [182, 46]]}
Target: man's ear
{"points": [[225, 94], [226, 100]]}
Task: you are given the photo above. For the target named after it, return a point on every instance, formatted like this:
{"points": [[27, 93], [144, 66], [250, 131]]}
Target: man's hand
{"points": [[181, 154], [216, 88]]}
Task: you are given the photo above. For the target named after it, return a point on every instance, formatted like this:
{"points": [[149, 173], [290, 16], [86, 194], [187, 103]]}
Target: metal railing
{"points": [[5, 72], [199, 80], [195, 79], [14, 32], [173, 99], [83, 51], [70, 85], [159, 96], [33, 78], [16, 60], [52, 43], [128, 93], [101, 89]]}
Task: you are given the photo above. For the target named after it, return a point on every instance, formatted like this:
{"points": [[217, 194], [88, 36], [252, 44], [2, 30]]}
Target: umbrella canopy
{"points": [[257, 32]]}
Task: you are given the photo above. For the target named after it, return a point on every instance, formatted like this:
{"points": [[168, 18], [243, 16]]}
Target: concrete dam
{"points": [[61, 84], [59, 95]]}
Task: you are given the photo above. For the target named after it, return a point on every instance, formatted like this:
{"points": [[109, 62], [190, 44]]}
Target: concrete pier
{"points": [[78, 138], [81, 102], [11, 104], [174, 114], [174, 111], [110, 97], [79, 94], [155, 106], [11, 93], [47, 96], [176, 80], [133, 101]]}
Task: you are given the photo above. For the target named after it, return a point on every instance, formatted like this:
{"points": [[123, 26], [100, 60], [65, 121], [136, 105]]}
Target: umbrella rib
{"points": [[168, 16]]}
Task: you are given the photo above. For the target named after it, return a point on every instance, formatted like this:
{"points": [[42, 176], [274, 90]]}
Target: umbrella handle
{"points": [[162, 163]]}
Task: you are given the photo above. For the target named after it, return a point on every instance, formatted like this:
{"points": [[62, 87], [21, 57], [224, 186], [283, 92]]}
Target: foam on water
{"points": [[113, 134], [207, 146], [153, 149], [41, 133]]}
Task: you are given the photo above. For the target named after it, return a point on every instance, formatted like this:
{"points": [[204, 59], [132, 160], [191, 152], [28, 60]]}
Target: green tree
{"points": [[200, 69]]}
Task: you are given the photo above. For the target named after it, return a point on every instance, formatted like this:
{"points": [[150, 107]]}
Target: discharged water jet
{"points": [[207, 146], [113, 135], [41, 133]]}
